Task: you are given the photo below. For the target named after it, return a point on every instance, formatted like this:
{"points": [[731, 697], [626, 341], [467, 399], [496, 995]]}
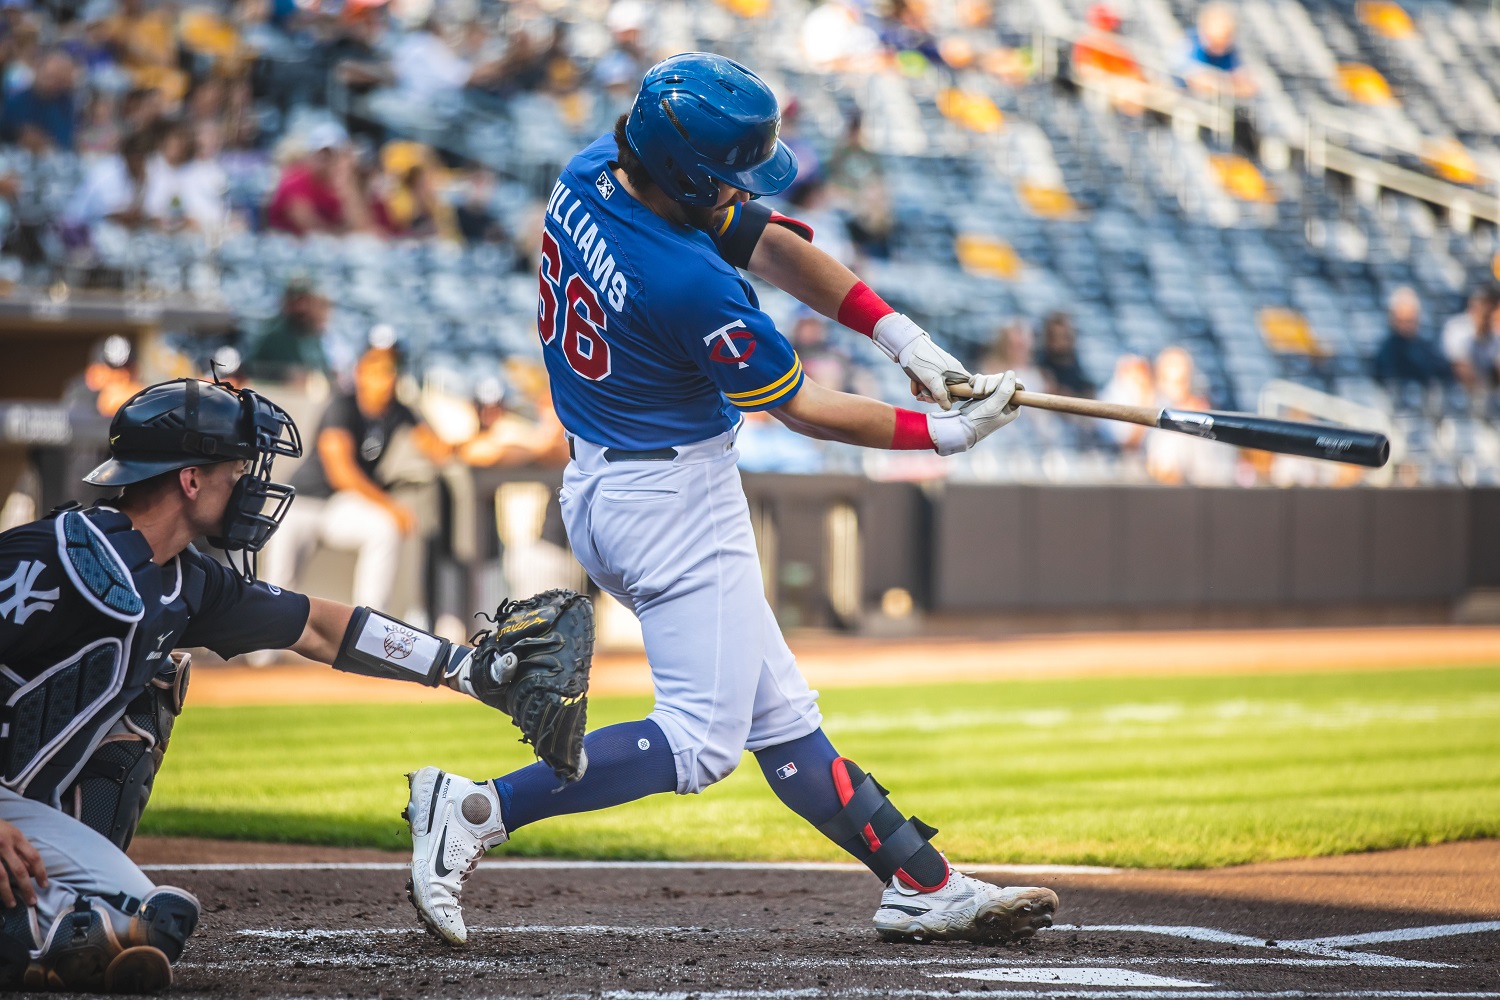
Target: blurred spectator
{"points": [[428, 69], [1174, 459], [1210, 61], [1059, 358], [1133, 385], [144, 39], [619, 71], [114, 189], [1405, 356], [321, 192], [823, 358], [506, 438], [1483, 362], [108, 381], [141, 109], [857, 181], [289, 348], [99, 130], [475, 209], [1014, 349], [184, 190], [41, 116], [1461, 331], [411, 202], [344, 497], [1102, 57], [836, 37]]}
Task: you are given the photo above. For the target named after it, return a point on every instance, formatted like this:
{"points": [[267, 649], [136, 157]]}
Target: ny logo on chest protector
{"points": [[24, 599]]}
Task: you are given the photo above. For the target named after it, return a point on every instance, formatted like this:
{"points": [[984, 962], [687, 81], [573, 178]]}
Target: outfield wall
{"points": [[978, 548]]}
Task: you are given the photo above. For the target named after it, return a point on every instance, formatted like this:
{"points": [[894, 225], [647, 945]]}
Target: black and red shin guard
{"points": [[873, 830]]}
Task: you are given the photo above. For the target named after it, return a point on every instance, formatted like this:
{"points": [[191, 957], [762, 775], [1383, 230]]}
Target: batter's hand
{"points": [[22, 864], [930, 368], [961, 429]]}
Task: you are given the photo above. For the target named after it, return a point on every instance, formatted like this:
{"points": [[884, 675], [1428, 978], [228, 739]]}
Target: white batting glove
{"points": [[961, 429], [925, 363]]}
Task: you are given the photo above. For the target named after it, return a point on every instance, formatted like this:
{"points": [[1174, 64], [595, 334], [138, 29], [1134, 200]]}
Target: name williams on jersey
{"points": [[568, 211]]}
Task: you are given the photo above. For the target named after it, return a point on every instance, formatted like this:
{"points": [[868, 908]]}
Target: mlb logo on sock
{"points": [[785, 771]]}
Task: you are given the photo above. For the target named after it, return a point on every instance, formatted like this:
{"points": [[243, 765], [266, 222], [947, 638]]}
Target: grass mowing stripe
{"points": [[1177, 771]]}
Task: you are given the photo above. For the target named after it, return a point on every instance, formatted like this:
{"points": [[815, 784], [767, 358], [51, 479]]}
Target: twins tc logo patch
{"points": [[399, 642], [605, 184], [732, 344], [786, 770]]}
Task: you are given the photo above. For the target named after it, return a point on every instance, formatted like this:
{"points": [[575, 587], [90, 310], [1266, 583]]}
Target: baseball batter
{"points": [[655, 344]]}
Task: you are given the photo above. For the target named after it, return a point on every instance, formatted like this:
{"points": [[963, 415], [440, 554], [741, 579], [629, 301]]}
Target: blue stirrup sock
{"points": [[812, 780], [626, 762]]}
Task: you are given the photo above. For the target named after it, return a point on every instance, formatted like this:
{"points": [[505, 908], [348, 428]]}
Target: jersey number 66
{"points": [[582, 319]]}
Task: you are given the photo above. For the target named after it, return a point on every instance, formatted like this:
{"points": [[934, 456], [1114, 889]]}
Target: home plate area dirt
{"points": [[1418, 923]]}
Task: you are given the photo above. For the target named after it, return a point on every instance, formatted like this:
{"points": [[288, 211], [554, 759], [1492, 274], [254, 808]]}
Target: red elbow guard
{"points": [[797, 226]]}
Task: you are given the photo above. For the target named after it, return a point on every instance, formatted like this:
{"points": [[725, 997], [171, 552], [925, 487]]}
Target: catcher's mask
{"points": [[187, 422]]}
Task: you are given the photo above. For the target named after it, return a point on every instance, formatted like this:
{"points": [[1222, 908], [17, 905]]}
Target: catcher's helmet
{"points": [[187, 422], [700, 120]]}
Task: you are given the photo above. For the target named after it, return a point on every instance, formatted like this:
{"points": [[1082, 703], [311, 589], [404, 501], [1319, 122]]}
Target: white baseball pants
{"points": [[79, 861], [672, 541]]}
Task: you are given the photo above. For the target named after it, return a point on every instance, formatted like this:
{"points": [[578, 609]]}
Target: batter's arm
{"points": [[801, 270], [808, 274], [820, 412]]}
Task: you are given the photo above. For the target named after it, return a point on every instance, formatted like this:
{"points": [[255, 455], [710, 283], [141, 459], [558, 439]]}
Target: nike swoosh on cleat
{"points": [[915, 911], [442, 870], [437, 789]]}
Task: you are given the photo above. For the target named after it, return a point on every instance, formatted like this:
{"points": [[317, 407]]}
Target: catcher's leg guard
{"points": [[115, 945], [873, 830]]}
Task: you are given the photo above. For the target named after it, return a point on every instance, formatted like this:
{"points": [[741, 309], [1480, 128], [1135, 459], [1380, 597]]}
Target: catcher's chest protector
{"points": [[76, 671]]}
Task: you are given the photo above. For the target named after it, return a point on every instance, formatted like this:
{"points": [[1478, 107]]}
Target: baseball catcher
{"points": [[93, 603]]}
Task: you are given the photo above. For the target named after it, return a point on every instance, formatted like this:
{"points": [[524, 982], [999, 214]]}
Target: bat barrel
{"points": [[1288, 437]]}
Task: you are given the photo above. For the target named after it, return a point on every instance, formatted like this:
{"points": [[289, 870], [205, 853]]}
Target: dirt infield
{"points": [[314, 922], [854, 662]]}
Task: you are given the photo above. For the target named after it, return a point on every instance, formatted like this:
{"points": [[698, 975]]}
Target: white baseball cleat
{"points": [[965, 909], [453, 822]]}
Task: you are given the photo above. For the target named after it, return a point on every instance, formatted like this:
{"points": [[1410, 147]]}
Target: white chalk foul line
{"points": [[630, 930], [1075, 975], [1400, 934], [1311, 946], [1104, 994], [529, 864]]}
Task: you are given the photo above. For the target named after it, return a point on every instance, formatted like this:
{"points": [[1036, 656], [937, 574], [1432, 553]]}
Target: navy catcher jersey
{"points": [[651, 339]]}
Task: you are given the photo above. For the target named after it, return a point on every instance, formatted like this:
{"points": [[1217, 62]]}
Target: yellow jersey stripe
{"points": [[795, 379], [796, 365]]}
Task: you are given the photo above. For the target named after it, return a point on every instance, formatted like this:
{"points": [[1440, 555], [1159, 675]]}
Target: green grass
{"points": [[1180, 772]]}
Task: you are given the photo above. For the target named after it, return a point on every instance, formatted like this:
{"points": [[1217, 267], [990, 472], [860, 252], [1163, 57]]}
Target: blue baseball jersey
{"points": [[651, 339]]}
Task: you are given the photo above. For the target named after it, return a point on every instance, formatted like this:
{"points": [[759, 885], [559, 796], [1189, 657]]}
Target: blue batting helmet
{"points": [[701, 120]]}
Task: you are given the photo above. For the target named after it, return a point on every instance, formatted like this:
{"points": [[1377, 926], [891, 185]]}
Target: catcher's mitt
{"points": [[534, 667]]}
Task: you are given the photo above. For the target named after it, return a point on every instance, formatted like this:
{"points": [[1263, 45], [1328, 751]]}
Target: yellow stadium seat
{"points": [[987, 256], [1288, 332], [1240, 178], [1451, 161], [1048, 202], [1365, 84], [747, 8], [973, 111], [1385, 18]]}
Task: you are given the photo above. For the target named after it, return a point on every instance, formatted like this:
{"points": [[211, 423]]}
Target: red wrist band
{"points": [[862, 309], [911, 432]]}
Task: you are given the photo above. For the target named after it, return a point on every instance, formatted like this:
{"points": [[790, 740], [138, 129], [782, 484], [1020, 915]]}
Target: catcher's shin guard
{"points": [[116, 945], [873, 830]]}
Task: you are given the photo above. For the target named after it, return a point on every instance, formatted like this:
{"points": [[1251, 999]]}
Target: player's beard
{"points": [[702, 217]]}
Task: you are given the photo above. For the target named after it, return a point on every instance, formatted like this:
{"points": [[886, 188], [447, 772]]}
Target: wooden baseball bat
{"points": [[1288, 437]]}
